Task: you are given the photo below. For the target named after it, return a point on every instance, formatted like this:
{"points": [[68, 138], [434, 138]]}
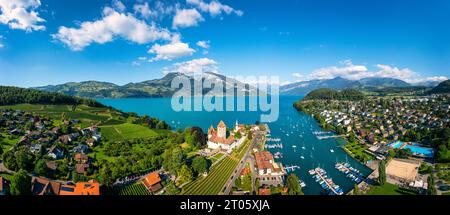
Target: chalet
{"points": [[80, 149], [91, 188], [97, 137], [4, 186], [15, 132], [81, 168], [43, 186], [152, 182], [44, 140], [90, 142], [269, 172], [86, 132], [36, 148], [74, 135], [56, 130], [81, 158], [55, 152], [65, 139]]}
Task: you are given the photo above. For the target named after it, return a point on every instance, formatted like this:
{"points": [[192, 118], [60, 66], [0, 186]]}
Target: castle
{"points": [[217, 138]]}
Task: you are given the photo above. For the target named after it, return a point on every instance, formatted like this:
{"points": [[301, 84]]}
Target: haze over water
{"points": [[292, 127]]}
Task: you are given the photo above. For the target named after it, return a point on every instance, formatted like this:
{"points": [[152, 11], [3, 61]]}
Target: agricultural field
{"points": [[87, 115], [218, 176], [214, 182], [216, 157], [126, 131], [133, 189]]}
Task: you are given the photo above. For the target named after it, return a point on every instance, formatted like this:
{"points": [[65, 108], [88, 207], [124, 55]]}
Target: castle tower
{"points": [[221, 130]]}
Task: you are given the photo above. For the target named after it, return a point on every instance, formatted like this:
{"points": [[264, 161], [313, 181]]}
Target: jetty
{"points": [[273, 146], [325, 182], [350, 172], [291, 168]]}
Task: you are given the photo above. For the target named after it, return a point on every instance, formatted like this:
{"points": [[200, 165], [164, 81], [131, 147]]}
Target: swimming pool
{"points": [[415, 148]]}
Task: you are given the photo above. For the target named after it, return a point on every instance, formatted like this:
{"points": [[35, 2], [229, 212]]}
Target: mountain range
{"points": [[146, 89], [162, 87], [304, 87]]}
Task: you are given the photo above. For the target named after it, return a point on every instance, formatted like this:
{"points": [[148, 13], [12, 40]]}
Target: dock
{"points": [[320, 173]]}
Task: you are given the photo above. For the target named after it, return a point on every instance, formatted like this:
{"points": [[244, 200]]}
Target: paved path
{"points": [[229, 185]]}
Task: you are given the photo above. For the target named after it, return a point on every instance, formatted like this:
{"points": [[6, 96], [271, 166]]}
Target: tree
{"points": [[41, 168], [356, 190], [171, 189], [382, 172], [1, 150], [105, 176], [431, 189], [21, 183], [184, 174], [293, 185], [199, 165]]}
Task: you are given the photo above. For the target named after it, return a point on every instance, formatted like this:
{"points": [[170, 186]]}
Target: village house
{"points": [[91, 188], [43, 186], [152, 182], [269, 172], [55, 152]]}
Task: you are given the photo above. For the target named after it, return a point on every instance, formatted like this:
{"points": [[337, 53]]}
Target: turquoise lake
{"points": [[296, 131]]}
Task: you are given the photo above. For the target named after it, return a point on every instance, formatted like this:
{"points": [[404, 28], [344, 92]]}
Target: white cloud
{"points": [[297, 75], [186, 18], [347, 70], [171, 51], [214, 7], [119, 6], [145, 11], [194, 66], [386, 71], [21, 14], [2, 46], [113, 24], [204, 44], [350, 71]]}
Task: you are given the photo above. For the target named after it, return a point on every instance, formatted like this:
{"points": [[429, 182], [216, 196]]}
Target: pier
{"points": [[318, 172]]}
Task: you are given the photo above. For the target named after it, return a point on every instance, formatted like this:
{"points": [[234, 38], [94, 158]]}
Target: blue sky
{"points": [[52, 41]]}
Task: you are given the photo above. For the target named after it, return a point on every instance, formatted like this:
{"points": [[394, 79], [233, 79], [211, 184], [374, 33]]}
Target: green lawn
{"points": [[356, 150], [126, 131], [389, 189], [7, 141]]}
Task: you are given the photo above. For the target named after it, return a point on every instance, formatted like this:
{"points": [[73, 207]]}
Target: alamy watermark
{"points": [[206, 92]]}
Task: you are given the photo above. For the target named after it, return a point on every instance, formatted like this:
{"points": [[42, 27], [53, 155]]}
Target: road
{"points": [[229, 185]]}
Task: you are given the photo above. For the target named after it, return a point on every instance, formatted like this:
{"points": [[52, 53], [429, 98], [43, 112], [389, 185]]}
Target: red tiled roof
{"points": [[221, 124], [263, 160], [81, 188], [264, 191], [151, 179]]}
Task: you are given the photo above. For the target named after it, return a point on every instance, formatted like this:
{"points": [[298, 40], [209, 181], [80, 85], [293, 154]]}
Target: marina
{"points": [[350, 172], [321, 177]]}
